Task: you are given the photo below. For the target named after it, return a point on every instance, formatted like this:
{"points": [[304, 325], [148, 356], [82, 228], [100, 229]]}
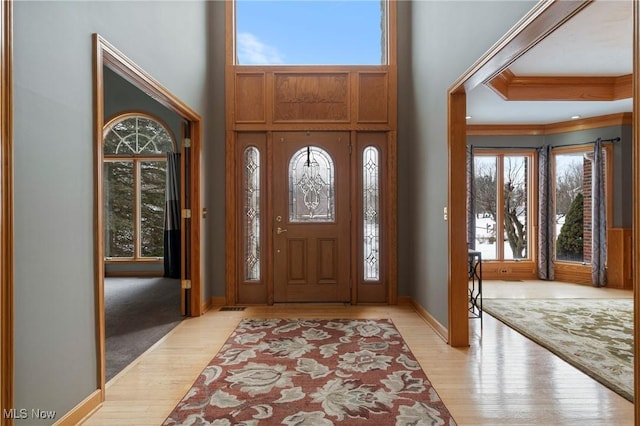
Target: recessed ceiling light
{"points": [[575, 117], [468, 117]]}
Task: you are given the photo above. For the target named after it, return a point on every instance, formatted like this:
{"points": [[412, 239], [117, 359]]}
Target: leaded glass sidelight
{"points": [[311, 186], [371, 213], [251, 183]]}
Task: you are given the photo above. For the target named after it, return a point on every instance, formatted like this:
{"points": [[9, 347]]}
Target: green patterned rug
{"points": [[594, 335]]}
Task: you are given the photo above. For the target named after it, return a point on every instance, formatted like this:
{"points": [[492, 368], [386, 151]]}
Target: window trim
{"points": [[532, 199]]}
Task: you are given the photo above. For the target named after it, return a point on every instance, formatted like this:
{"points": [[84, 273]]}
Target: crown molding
{"points": [[619, 119], [511, 87]]}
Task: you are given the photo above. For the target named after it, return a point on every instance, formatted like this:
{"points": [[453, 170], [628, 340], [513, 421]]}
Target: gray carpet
{"points": [[138, 313]]}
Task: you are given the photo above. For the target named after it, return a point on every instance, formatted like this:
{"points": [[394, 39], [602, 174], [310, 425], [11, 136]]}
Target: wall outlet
{"points": [[446, 216]]}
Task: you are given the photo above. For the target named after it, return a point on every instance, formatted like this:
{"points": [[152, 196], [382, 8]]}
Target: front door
{"points": [[311, 230]]}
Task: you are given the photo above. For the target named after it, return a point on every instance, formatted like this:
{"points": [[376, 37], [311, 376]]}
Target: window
{"points": [[502, 213], [135, 171], [572, 169], [342, 32], [371, 213], [311, 186], [251, 178]]}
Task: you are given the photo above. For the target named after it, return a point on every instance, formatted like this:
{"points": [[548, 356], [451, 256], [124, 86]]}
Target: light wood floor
{"points": [[501, 379]]}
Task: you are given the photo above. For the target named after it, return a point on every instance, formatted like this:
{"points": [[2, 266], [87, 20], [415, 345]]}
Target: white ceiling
{"points": [[597, 41]]}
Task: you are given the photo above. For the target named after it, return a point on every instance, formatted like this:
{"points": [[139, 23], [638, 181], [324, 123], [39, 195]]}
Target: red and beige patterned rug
{"points": [[312, 372]]}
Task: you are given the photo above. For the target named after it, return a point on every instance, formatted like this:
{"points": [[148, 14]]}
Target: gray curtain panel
{"points": [[172, 218], [545, 215], [599, 219], [471, 201]]}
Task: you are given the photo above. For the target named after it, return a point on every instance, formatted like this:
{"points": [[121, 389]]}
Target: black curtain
{"points": [[172, 218]]}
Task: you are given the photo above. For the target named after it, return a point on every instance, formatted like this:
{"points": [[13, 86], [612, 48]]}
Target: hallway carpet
{"points": [[138, 313]]}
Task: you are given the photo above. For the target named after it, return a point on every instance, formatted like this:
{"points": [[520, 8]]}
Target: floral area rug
{"points": [[312, 372], [594, 335]]}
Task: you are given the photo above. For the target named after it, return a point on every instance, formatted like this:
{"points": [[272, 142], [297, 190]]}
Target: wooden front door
{"points": [[311, 231]]}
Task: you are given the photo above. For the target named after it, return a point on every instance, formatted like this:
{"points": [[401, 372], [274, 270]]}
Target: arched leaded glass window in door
{"points": [[311, 186], [135, 181]]}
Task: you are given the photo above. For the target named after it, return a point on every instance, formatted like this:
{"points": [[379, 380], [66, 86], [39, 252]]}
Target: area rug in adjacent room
{"points": [[312, 372], [594, 335]]}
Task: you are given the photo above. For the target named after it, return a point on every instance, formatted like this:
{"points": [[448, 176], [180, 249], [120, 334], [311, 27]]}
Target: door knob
{"points": [[280, 230]]}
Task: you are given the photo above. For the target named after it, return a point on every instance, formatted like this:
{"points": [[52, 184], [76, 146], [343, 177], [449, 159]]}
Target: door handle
{"points": [[280, 230]]}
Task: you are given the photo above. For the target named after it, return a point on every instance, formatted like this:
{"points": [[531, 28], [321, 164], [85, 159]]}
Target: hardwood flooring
{"points": [[501, 379]]}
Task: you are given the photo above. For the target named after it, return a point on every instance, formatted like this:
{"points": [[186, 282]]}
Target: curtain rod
{"points": [[617, 139]]}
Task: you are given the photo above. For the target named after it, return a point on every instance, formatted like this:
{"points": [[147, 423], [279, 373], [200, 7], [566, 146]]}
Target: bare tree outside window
{"points": [[515, 206]]}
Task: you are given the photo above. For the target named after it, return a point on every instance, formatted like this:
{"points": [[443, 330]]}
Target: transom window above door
{"points": [[342, 32]]}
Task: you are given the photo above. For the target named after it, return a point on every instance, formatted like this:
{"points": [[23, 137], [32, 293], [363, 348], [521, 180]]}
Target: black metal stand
{"points": [[475, 286]]}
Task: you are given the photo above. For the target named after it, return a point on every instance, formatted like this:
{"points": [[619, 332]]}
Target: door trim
{"points": [[104, 54], [543, 19], [6, 209]]}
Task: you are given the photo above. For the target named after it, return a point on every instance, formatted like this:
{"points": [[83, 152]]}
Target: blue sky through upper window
{"points": [[308, 32]]}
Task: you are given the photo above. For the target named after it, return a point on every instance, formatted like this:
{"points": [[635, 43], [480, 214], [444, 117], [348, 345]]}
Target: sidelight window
{"points": [[251, 214], [371, 212]]}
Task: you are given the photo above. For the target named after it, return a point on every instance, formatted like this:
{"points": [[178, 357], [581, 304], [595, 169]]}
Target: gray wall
{"points": [[214, 157], [55, 349], [446, 38]]}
